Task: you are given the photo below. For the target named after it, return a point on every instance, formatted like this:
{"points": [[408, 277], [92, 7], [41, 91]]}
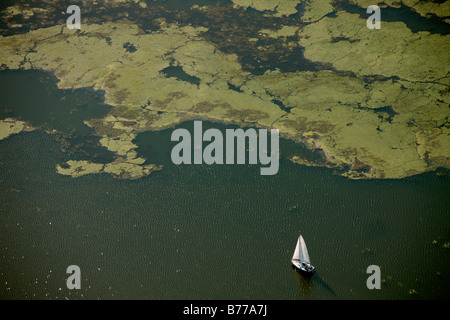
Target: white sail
{"points": [[304, 256], [296, 255], [301, 252]]}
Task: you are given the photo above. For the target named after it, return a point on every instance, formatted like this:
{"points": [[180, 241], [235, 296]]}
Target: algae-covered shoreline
{"points": [[375, 101]]}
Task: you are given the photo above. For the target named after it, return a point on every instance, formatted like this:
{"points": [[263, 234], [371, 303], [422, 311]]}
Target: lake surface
{"points": [[199, 231]]}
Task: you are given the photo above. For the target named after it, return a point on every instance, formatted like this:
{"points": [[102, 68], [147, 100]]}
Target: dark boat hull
{"points": [[304, 272]]}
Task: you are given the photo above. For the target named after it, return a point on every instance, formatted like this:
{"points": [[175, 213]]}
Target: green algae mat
{"points": [[352, 104], [375, 101]]}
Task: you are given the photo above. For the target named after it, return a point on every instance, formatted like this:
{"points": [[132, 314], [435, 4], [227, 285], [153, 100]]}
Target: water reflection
{"points": [[307, 283]]}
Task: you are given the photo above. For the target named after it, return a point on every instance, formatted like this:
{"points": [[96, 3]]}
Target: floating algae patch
{"points": [[369, 101], [22, 16], [314, 10], [260, 42], [229, 29], [10, 126], [120, 169], [345, 123], [384, 53]]}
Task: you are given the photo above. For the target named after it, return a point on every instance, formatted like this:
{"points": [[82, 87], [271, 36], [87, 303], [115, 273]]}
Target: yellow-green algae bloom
{"points": [[10, 126], [316, 9], [380, 110], [278, 7]]}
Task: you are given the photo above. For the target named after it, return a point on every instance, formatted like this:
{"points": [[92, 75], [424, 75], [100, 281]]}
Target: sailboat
{"points": [[300, 258]]}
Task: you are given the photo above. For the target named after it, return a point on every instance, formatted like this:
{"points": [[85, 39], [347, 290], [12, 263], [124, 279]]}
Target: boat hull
{"points": [[303, 269]]}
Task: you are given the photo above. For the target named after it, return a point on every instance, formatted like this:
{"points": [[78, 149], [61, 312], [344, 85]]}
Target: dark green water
{"points": [[413, 20], [41, 102], [208, 232]]}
